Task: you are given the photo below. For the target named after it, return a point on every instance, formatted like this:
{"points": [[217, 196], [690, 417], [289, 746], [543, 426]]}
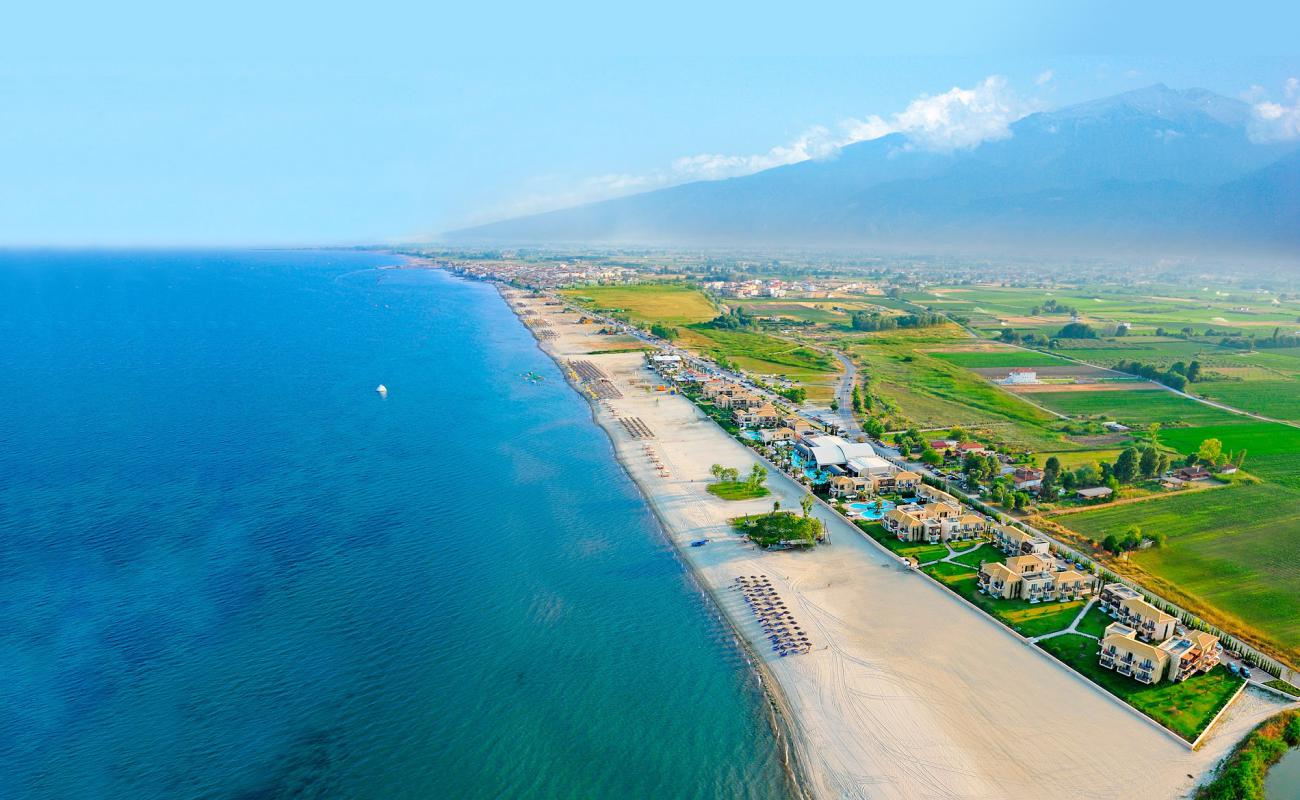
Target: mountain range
{"points": [[1153, 168]]}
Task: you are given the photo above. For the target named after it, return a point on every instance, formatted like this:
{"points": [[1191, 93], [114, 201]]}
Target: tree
{"points": [[1153, 433], [1162, 464], [1158, 539], [757, 476], [857, 399], [730, 474], [930, 457], [1194, 371], [1148, 463], [875, 428], [1210, 451], [1052, 464], [716, 471], [1087, 475], [1132, 538], [1077, 330], [1021, 500], [776, 506], [1126, 466], [663, 331], [1111, 543], [959, 434], [806, 503]]}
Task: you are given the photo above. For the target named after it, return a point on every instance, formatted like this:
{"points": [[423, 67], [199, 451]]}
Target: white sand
{"points": [[908, 692]]}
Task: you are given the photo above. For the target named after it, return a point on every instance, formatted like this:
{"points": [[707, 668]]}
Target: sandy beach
{"points": [[907, 692]]}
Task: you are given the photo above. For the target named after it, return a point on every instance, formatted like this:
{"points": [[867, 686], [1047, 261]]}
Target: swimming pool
{"points": [[873, 510]]}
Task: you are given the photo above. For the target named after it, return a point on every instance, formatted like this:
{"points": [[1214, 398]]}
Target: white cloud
{"points": [[1044, 77], [963, 118], [957, 119], [1277, 122]]}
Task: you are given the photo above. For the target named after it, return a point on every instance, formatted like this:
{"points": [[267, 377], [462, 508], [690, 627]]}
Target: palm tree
{"points": [[806, 503]]}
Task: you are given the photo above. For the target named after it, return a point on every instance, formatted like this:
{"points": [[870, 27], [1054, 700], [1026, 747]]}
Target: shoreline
{"points": [[779, 714], [903, 724]]}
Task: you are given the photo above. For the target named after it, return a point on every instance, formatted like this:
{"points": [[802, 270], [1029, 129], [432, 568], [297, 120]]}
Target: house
{"points": [[1020, 376], [1195, 473], [1127, 605], [1027, 477], [906, 481], [943, 445], [1094, 493], [764, 416], [973, 448], [848, 485]]}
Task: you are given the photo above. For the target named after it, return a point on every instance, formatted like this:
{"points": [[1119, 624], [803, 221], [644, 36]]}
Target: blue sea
{"points": [[230, 569]]}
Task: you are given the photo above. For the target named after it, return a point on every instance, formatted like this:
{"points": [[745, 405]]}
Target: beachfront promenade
{"points": [[906, 691]]}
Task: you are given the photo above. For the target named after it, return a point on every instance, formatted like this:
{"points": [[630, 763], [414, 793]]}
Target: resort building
{"points": [[772, 435], [1036, 578], [764, 416], [1123, 652], [1014, 541], [934, 522], [935, 495], [738, 399], [1126, 605], [1176, 659], [828, 451], [873, 481]]}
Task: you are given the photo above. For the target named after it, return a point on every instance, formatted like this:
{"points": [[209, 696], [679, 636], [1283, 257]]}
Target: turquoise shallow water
{"points": [[230, 569]]}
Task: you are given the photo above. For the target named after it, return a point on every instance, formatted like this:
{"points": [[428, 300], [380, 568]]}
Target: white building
{"points": [[1021, 375], [826, 451]]}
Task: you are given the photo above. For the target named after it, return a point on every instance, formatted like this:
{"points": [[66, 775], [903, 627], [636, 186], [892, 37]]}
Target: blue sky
{"points": [[151, 124]]}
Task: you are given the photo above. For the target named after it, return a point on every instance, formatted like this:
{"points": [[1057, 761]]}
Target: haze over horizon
{"points": [[141, 129]]}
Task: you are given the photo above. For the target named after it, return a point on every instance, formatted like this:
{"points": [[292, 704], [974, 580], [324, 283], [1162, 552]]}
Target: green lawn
{"points": [[1019, 615], [986, 552], [737, 490], [1232, 554], [1136, 408], [772, 529], [1185, 708], [921, 551], [1094, 622], [1271, 449]]}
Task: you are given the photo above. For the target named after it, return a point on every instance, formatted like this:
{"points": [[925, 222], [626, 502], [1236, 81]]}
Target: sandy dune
{"points": [[908, 692]]}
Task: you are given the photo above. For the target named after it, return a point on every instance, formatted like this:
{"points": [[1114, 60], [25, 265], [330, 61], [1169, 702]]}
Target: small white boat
{"points": [[382, 389]]}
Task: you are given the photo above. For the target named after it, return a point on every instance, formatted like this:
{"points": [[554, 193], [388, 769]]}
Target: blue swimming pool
{"points": [[873, 510]]}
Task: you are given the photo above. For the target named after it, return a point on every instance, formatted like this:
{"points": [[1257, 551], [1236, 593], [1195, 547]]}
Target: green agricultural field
{"points": [[762, 354], [1272, 449], [931, 392], [1136, 408], [1001, 358], [1186, 708], [1078, 458], [667, 303], [1232, 554], [1279, 399]]}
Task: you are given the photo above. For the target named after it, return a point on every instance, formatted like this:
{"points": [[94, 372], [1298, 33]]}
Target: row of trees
{"points": [[666, 332], [876, 321], [1176, 377], [757, 475], [1077, 330]]}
